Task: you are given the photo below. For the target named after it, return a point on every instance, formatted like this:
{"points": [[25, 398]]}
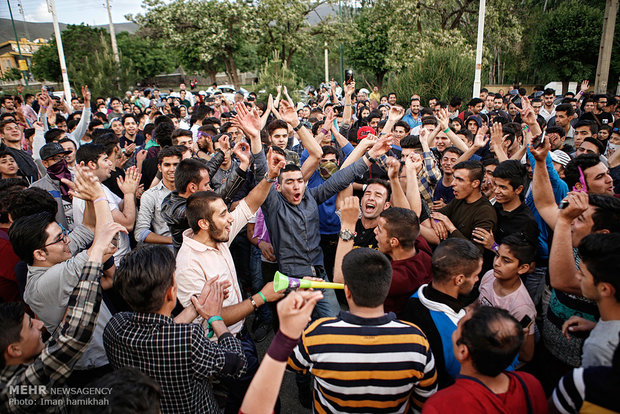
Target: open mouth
{"points": [[297, 197], [370, 207]]}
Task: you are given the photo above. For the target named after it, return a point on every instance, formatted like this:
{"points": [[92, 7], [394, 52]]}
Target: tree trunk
{"points": [[231, 69], [380, 77], [212, 76]]}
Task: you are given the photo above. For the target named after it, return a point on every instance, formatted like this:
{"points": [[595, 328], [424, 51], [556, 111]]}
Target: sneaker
{"points": [[261, 332]]}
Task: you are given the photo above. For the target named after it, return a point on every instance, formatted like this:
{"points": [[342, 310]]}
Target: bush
{"points": [[276, 72], [13, 74], [442, 73]]}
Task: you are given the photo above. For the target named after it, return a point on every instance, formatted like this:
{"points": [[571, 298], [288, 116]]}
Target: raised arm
{"points": [[562, 268], [542, 190], [480, 140], [349, 88], [349, 214], [413, 162], [257, 196], [81, 127], [497, 139], [443, 118], [395, 114], [399, 199]]}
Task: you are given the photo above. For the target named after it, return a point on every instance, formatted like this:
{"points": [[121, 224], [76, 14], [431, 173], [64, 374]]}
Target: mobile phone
{"points": [[525, 322], [348, 76], [539, 140], [116, 239]]}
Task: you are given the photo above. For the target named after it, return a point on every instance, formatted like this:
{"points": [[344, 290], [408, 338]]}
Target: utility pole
{"points": [[112, 33], [341, 57], [607, 41], [51, 7], [481, 13], [21, 63], [326, 64]]}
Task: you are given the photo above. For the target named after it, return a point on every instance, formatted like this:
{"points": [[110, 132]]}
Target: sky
{"points": [[91, 12]]}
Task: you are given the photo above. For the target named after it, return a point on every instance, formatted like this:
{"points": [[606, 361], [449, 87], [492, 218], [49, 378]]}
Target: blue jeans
{"points": [[256, 281], [328, 306], [238, 387]]}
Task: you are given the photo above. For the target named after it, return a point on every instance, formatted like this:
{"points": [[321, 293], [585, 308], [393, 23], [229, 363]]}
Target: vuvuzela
{"points": [[281, 282]]}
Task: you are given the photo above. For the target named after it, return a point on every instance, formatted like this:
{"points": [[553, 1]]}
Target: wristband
{"points": [[210, 321], [281, 347], [253, 303], [324, 131], [100, 199], [298, 127], [446, 130], [370, 159], [495, 247], [262, 297]]}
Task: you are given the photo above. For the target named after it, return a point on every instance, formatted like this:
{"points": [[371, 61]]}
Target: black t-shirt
{"points": [[605, 118]]}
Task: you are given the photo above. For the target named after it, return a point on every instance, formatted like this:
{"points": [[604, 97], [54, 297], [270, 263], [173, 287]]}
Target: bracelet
{"points": [[495, 247], [262, 297], [100, 199], [254, 303], [281, 347], [270, 180], [209, 322], [525, 128], [298, 127], [324, 131], [370, 159], [446, 130]]}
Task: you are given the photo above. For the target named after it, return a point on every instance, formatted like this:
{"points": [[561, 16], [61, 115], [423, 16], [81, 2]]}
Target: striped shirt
{"points": [[588, 390], [366, 364]]}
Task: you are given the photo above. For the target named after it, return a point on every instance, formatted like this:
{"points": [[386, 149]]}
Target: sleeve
{"points": [[338, 182], [225, 357], [63, 350], [241, 216], [427, 385], [81, 238], [37, 142], [597, 355], [145, 216], [347, 150], [568, 396], [304, 156], [299, 360], [260, 165], [214, 163], [190, 278], [232, 185], [433, 171], [81, 127]]}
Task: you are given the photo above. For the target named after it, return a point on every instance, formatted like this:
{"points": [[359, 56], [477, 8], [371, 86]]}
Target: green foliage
{"points": [[276, 72], [12, 74], [442, 72], [566, 43], [370, 47], [148, 56], [102, 74]]}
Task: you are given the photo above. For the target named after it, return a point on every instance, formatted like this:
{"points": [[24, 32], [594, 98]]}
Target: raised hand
{"points": [[295, 310], [382, 146], [443, 118], [350, 212], [288, 113], [129, 184], [540, 153], [393, 168], [86, 95], [242, 151], [85, 184], [209, 302], [396, 113], [349, 88], [248, 121], [414, 162], [270, 294], [585, 84], [275, 163]]}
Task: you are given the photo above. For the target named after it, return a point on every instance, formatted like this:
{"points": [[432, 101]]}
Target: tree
{"points": [[566, 42], [12, 74], [102, 74], [276, 73], [215, 30], [370, 47], [148, 56]]}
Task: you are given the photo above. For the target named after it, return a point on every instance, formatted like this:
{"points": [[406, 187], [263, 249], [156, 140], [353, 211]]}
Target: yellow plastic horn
{"points": [[282, 282]]}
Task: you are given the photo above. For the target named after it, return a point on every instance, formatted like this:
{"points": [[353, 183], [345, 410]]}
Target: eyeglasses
{"points": [[62, 237]]}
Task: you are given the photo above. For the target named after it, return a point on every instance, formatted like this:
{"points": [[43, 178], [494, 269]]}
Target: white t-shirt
{"points": [[518, 303], [114, 201]]}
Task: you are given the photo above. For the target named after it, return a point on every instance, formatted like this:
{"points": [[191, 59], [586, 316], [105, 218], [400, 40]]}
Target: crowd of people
{"points": [[477, 246]]}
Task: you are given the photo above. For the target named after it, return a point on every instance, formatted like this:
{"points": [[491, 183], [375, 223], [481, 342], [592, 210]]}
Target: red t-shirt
{"points": [[469, 397], [408, 275], [9, 292]]}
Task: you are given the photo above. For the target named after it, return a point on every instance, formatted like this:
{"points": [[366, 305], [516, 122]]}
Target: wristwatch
{"points": [[298, 127], [369, 158], [347, 235], [270, 180]]}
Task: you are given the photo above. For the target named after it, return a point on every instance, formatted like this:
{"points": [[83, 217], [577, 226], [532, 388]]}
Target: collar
{"points": [[188, 239], [428, 293], [151, 318], [358, 320]]}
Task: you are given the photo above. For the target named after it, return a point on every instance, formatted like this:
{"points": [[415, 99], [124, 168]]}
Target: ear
{"points": [[203, 224], [39, 255], [606, 289], [347, 293], [525, 268], [474, 185], [459, 279], [387, 205], [394, 242], [13, 351], [171, 293], [461, 352], [192, 188], [278, 187], [519, 189], [92, 165]]}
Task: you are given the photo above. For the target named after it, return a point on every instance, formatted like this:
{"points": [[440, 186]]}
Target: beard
{"points": [[216, 234]]}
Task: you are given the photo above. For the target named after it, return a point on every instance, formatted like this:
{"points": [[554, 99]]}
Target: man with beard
{"points": [[11, 136], [414, 118], [53, 157], [205, 255]]}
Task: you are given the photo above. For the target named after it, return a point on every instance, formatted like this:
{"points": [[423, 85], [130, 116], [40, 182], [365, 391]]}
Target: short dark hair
{"points": [[31, 201], [329, 149], [607, 214], [593, 126], [403, 224], [598, 144], [109, 140], [198, 207], [599, 253], [383, 183], [143, 276], [53, 135], [491, 346], [513, 171], [411, 141], [549, 91], [453, 150], [403, 124], [287, 168], [126, 117], [276, 124], [130, 392], [476, 171], [368, 275], [454, 257], [171, 151], [520, 247], [162, 134], [188, 171], [89, 152], [180, 132], [568, 108], [28, 234], [556, 130], [584, 161], [9, 188], [11, 321]]}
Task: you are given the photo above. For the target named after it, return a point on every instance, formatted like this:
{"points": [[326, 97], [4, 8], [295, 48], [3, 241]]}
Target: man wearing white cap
{"points": [[559, 159]]}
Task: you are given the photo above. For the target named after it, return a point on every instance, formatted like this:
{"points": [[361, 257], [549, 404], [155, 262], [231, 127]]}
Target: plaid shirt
{"points": [[428, 177], [178, 356], [62, 351]]}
